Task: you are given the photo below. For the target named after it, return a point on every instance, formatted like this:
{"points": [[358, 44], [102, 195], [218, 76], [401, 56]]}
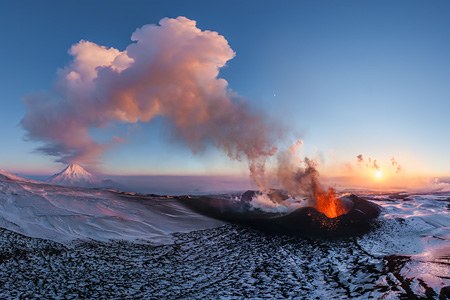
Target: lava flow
{"points": [[327, 202]]}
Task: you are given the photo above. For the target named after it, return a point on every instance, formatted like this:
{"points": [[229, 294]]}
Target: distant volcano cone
{"points": [[74, 175]]}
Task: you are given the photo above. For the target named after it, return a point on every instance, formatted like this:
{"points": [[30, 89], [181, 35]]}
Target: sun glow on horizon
{"points": [[378, 174]]}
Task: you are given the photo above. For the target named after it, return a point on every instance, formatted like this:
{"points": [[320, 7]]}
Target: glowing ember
{"points": [[327, 202]]}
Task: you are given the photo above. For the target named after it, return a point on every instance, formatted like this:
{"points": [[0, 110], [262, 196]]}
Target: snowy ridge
{"points": [[7, 175], [64, 214], [74, 175], [405, 256]]}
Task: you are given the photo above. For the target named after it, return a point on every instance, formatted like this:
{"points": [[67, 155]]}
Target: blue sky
{"points": [[348, 77]]}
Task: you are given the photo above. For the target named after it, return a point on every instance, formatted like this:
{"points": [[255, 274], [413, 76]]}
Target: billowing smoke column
{"points": [[299, 177], [169, 70]]}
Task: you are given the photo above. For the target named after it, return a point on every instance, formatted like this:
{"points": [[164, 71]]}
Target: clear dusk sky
{"points": [[347, 77]]}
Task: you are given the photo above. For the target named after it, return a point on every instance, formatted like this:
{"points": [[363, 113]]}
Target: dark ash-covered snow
{"points": [[225, 262]]}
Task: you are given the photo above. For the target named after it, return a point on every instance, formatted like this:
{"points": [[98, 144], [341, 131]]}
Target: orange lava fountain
{"points": [[327, 202]]}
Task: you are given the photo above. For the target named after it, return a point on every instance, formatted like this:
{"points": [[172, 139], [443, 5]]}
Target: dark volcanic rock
{"points": [[276, 195], [362, 209], [230, 262], [248, 196], [303, 220]]}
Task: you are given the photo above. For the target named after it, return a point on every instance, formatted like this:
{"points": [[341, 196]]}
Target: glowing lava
{"points": [[327, 202]]}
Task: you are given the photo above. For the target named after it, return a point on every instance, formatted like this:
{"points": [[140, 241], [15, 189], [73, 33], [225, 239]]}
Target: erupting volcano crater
{"points": [[344, 215]]}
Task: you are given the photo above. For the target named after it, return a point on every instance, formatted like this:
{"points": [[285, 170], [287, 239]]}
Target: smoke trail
{"points": [[360, 158], [396, 165], [301, 178], [170, 70], [369, 162], [374, 164]]}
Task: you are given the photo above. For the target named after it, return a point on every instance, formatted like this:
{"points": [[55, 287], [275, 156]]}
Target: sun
{"points": [[378, 174]]}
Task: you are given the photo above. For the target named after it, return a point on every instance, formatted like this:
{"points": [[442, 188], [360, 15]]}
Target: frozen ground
{"points": [[225, 262], [64, 214], [174, 253]]}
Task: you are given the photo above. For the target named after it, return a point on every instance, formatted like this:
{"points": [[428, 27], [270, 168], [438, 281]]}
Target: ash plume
{"points": [[369, 162], [360, 158], [295, 175], [169, 70], [396, 165], [375, 165], [300, 177]]}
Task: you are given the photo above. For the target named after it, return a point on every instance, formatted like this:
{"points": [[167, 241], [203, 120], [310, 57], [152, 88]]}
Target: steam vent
{"points": [[359, 215]]}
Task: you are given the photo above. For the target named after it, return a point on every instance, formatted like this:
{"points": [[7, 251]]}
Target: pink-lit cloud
{"points": [[170, 70]]}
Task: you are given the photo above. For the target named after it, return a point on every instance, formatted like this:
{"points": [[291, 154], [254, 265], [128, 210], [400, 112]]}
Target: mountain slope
{"points": [[10, 176], [64, 214], [74, 175]]}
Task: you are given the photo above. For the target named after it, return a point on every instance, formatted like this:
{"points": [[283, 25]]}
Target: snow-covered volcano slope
{"points": [[65, 213], [74, 175], [5, 175]]}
